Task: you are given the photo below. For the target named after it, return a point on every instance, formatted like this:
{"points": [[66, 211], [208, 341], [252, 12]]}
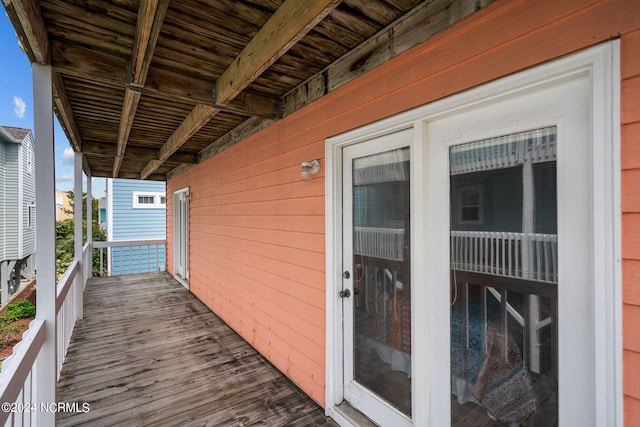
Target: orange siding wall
{"points": [[257, 231]]}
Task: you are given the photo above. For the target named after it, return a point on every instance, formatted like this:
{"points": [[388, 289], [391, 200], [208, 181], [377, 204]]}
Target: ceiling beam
{"points": [[63, 111], [150, 17], [196, 119], [26, 17], [110, 70], [129, 106], [151, 14], [289, 23]]}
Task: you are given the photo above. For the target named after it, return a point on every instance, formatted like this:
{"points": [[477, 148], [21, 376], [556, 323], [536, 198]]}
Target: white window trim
{"points": [[157, 200], [602, 62]]}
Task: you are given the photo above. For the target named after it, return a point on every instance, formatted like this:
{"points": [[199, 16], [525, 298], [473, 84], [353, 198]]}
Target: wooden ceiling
{"points": [[146, 88]]}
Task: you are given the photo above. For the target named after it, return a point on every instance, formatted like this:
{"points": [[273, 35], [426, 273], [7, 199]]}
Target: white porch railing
{"points": [[527, 256], [131, 256]]}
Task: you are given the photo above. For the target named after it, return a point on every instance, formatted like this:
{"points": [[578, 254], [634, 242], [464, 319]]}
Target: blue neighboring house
{"points": [[136, 210]]}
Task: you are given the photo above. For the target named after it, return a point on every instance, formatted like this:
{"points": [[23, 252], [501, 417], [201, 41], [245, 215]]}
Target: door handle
{"points": [[346, 293]]}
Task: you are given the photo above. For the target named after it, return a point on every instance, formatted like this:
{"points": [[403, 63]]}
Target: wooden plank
{"points": [[30, 27], [147, 353], [151, 14], [106, 69], [197, 118], [286, 26]]}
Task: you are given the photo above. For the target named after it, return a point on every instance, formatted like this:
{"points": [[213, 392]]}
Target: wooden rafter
{"points": [[32, 31], [150, 17], [287, 25], [131, 99], [197, 118]]}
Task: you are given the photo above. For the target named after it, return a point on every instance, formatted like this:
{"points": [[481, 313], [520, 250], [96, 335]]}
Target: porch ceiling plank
{"points": [[99, 149], [32, 31], [287, 25], [109, 70], [197, 118]]}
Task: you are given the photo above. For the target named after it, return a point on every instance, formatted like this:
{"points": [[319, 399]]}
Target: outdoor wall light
{"points": [[308, 169]]}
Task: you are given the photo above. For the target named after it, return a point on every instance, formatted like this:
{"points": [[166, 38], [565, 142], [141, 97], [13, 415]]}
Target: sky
{"points": [[16, 106]]}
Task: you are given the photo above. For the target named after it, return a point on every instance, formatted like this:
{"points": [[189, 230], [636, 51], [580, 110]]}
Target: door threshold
{"points": [[353, 416]]}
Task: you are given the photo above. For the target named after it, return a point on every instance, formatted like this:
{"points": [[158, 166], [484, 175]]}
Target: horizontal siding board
{"points": [[298, 257], [631, 280], [131, 223], [631, 335], [264, 287], [296, 223], [630, 108], [631, 227], [631, 383], [631, 191], [631, 411], [630, 55], [630, 146], [276, 269]]}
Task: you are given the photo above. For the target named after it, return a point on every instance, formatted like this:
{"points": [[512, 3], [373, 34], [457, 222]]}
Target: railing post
{"points": [[46, 365], [77, 217], [89, 260]]}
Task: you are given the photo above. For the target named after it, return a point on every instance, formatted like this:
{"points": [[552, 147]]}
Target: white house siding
{"points": [[11, 202], [2, 209]]}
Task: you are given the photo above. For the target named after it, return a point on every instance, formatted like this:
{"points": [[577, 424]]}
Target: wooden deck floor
{"points": [[149, 353]]}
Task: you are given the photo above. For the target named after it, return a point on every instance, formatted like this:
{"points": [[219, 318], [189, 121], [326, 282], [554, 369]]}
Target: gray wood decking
{"points": [[149, 353]]}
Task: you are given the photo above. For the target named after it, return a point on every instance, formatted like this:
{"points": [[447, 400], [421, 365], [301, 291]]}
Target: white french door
{"points": [[508, 222], [181, 236], [376, 288]]}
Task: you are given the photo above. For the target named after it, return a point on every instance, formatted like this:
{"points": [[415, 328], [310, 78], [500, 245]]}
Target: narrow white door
{"points": [[181, 235], [376, 291], [515, 283]]}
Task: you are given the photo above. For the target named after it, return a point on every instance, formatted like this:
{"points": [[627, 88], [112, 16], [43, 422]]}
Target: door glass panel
{"points": [[382, 289], [504, 278]]}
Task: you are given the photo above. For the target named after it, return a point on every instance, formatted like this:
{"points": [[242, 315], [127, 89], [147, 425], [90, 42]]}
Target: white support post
{"points": [[46, 364], [89, 260], [77, 234]]}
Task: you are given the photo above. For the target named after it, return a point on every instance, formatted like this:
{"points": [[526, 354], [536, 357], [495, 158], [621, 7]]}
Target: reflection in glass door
{"points": [[378, 350], [504, 278]]}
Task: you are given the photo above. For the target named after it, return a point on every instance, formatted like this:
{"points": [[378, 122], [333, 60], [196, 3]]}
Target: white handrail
{"points": [[140, 250]]}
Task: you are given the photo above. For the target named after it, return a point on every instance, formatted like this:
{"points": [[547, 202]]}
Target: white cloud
{"points": [[65, 178], [19, 106], [67, 156]]}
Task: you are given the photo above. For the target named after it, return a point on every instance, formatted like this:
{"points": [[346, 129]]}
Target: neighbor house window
{"points": [[471, 205], [148, 200]]}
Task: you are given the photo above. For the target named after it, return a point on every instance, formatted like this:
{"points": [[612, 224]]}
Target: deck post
{"points": [[46, 363], [89, 261], [77, 232]]}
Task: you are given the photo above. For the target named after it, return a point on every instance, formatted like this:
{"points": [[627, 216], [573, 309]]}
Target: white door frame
{"points": [[600, 65], [180, 242]]}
